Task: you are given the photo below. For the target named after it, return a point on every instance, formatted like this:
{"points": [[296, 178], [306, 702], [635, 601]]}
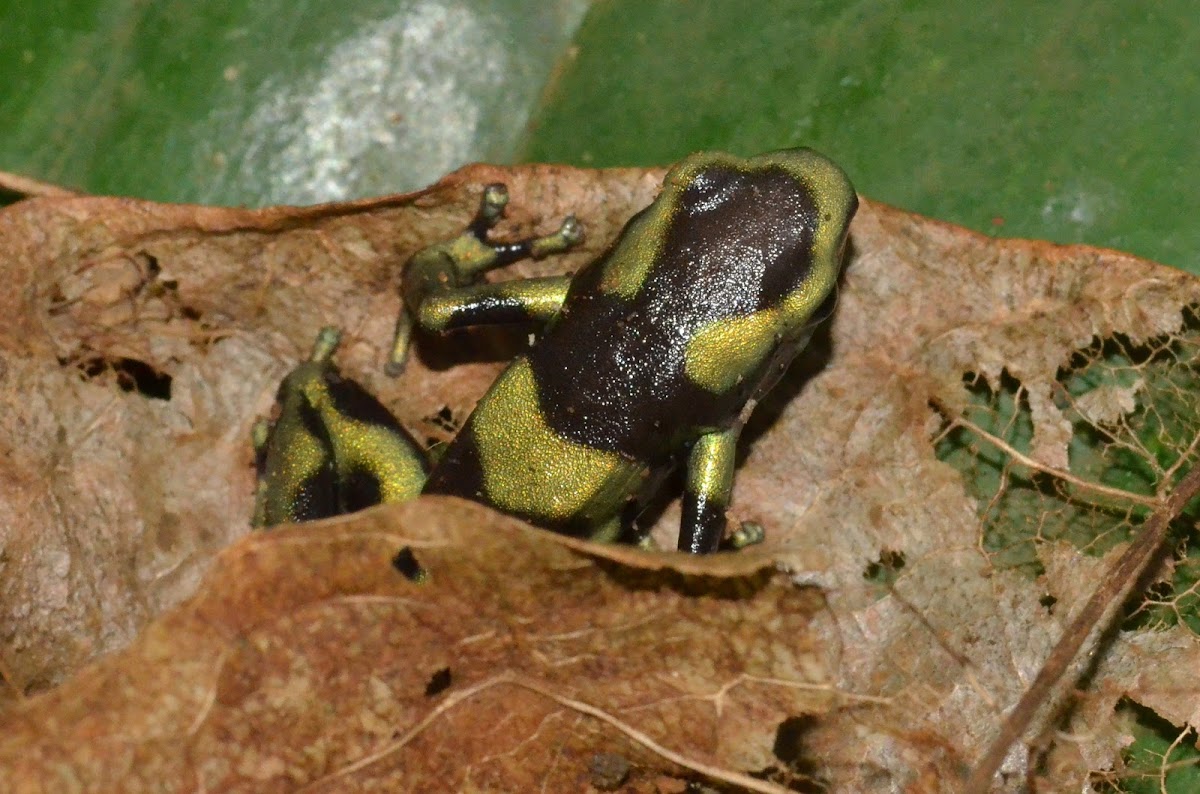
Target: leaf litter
{"points": [[958, 464]]}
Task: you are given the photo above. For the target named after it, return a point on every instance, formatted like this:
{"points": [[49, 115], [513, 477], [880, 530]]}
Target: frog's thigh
{"points": [[375, 459]]}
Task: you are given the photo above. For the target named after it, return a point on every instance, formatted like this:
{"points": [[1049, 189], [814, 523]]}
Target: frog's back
{"points": [[703, 298]]}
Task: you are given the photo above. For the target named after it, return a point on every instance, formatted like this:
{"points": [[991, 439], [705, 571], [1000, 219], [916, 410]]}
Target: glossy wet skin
{"points": [[650, 353]]}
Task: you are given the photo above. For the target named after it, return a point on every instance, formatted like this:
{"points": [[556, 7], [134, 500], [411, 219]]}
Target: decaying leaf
{"points": [[141, 343], [308, 659], [946, 477], [21, 186]]}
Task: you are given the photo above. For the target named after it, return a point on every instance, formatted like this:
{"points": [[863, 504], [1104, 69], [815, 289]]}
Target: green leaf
{"points": [[269, 102], [1071, 122], [1075, 129], [1161, 759]]}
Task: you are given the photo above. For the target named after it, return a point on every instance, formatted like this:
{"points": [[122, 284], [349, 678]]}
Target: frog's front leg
{"points": [[707, 492], [439, 282], [523, 300]]}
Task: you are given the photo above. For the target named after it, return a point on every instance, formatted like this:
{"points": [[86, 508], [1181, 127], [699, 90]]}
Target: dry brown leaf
{"points": [[309, 660], [118, 502], [304, 658], [28, 186]]}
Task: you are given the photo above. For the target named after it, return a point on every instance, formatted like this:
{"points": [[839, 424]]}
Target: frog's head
{"points": [[766, 234], [806, 295], [778, 221]]}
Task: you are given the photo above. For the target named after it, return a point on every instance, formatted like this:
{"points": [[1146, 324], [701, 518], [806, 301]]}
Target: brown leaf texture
{"points": [[876, 642], [309, 661]]}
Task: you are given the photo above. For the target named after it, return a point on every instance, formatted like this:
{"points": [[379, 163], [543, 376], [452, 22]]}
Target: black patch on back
{"points": [[611, 373], [744, 238]]}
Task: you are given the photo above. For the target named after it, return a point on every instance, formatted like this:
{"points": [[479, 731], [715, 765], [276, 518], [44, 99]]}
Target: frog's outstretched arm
{"points": [[708, 488], [439, 281]]}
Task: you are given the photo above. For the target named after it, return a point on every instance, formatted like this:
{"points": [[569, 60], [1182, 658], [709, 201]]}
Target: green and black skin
{"points": [[332, 448], [652, 355]]}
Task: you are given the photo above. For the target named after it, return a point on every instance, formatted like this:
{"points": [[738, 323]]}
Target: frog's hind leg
{"points": [[376, 461], [332, 449], [296, 477]]}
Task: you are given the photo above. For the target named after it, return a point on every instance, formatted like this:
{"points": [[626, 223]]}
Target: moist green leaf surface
{"points": [[1070, 122], [268, 102]]}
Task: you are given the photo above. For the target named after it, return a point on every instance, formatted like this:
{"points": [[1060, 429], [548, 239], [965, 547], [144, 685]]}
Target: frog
{"points": [[650, 358]]}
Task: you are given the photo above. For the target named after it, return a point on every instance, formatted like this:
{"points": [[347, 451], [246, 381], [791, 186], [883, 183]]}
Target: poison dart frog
{"points": [[652, 356]]}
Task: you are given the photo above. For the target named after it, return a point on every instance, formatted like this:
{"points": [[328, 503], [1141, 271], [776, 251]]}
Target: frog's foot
{"points": [[491, 210], [569, 235], [748, 533], [492, 255], [328, 339], [401, 343], [646, 543]]}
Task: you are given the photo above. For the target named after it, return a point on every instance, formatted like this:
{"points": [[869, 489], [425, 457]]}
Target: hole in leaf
{"points": [[1177, 600], [1130, 419], [444, 420], [131, 374], [438, 683], [884, 571], [1161, 757], [406, 563], [798, 770]]}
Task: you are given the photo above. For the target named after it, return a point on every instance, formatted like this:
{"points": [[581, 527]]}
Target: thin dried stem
{"points": [[28, 186], [1105, 600]]}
